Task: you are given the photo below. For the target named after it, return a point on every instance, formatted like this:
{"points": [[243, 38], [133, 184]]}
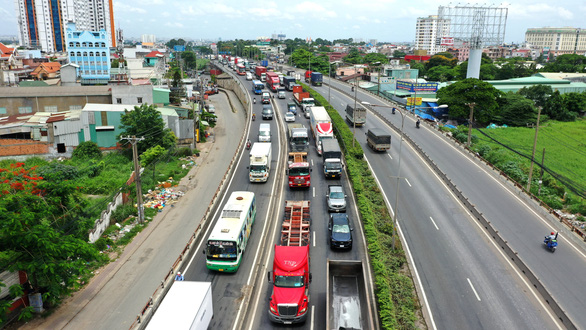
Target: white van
{"points": [[264, 133], [248, 76]]}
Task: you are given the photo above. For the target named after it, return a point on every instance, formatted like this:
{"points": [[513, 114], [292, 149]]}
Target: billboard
{"points": [[447, 41], [414, 100], [419, 87], [179, 48]]}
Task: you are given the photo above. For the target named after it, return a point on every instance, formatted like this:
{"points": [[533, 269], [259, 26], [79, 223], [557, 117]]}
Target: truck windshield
{"points": [[299, 140], [258, 168], [288, 281], [333, 166], [218, 250], [263, 133], [298, 171]]}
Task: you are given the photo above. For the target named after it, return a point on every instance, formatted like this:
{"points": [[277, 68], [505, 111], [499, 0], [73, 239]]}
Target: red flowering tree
{"points": [[42, 231]]}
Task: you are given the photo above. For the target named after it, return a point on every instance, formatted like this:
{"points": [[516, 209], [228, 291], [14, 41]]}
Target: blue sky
{"points": [[384, 20]]}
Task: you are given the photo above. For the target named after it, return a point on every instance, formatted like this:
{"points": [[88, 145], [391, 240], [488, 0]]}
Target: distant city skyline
{"points": [[383, 20]]}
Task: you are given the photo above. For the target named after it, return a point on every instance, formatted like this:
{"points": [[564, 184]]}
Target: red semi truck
{"points": [[273, 81], [299, 172], [259, 70], [289, 300]]}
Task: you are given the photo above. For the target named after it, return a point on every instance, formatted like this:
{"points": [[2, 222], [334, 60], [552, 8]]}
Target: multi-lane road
{"points": [[464, 279]]}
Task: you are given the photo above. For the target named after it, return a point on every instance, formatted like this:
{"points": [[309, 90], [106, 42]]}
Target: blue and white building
{"points": [[90, 50]]}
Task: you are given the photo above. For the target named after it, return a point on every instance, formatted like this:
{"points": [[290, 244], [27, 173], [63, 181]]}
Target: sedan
{"points": [[289, 116], [340, 231]]}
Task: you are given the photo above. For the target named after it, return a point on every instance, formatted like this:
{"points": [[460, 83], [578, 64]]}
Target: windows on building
{"points": [[118, 100], [2, 110], [75, 107], [51, 108], [25, 109], [139, 100]]}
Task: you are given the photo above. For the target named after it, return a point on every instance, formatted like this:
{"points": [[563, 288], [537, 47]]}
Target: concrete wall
{"points": [[130, 94], [38, 103], [230, 83], [104, 221]]}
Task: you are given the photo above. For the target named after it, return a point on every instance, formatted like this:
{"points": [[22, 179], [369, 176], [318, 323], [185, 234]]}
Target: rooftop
{"points": [[54, 91]]}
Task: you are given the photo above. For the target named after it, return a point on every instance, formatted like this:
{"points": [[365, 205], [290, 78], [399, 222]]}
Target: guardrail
{"points": [[148, 309], [501, 242]]}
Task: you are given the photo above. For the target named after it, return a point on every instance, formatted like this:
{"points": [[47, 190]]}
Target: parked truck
{"points": [[347, 299], [378, 139], [298, 138], [321, 126], [356, 117], [288, 82], [316, 78], [290, 275], [332, 155], [260, 162], [298, 170], [187, 305]]}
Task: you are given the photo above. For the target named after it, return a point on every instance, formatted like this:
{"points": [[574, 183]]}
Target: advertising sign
{"points": [[414, 100], [420, 87], [447, 41], [179, 48]]}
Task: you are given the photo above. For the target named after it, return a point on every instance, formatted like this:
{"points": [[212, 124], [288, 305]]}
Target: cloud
{"points": [[174, 24], [122, 7]]}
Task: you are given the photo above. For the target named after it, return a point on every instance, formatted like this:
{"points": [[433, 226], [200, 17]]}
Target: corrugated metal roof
{"points": [[109, 107], [167, 112], [54, 91]]}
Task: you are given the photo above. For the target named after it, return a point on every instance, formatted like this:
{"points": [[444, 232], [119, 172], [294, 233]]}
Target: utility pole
{"points": [[533, 154], [541, 176], [134, 141], [471, 105]]}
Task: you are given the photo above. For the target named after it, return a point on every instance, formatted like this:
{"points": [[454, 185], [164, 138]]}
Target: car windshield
{"points": [[289, 281], [344, 229], [333, 166], [336, 195]]}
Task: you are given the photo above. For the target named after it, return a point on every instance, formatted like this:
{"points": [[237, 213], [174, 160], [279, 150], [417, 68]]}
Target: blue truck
{"points": [[264, 63], [316, 78], [289, 82]]}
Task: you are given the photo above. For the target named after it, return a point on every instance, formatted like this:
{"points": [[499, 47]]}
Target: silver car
{"points": [[336, 199]]}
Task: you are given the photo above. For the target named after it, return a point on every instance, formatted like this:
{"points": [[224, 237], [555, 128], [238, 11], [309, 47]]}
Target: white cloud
{"points": [[122, 7], [174, 24]]}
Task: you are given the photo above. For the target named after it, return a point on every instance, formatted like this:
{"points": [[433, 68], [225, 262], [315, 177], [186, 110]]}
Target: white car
{"points": [[289, 116]]}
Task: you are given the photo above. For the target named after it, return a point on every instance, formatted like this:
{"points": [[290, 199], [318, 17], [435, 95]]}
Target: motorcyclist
{"points": [[352, 88], [393, 111], [254, 100], [417, 123], [550, 237], [248, 143]]}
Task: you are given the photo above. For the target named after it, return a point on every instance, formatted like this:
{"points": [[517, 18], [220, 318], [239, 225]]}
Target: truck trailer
{"points": [[378, 139], [316, 78], [321, 126], [289, 301], [347, 301], [298, 138], [260, 162], [187, 305], [356, 117]]}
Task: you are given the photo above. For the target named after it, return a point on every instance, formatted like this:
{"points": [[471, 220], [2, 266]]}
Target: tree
{"points": [[43, 230], [537, 93], [375, 57], [175, 42], [441, 73], [458, 94], [398, 53], [557, 109], [353, 56], [446, 60], [419, 66], [575, 102], [145, 121], [516, 110], [567, 63]]}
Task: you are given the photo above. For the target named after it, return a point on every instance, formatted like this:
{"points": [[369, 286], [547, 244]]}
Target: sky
{"points": [[384, 20]]}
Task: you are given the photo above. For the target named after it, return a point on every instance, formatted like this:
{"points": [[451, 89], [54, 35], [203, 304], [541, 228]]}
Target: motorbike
{"points": [[254, 101], [352, 88], [551, 244], [393, 111], [253, 117], [248, 145], [417, 123]]}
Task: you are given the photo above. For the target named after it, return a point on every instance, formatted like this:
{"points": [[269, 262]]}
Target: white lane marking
{"points": [[312, 162], [430, 218], [538, 298], [313, 191], [391, 157], [273, 191], [312, 318], [408, 182], [314, 239], [473, 289], [407, 250]]}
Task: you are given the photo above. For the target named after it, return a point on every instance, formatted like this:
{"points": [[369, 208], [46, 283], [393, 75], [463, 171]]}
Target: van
{"points": [[281, 94], [266, 98], [248, 76], [264, 133]]}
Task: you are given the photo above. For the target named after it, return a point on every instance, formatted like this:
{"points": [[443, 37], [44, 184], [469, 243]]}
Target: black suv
{"points": [[340, 231]]}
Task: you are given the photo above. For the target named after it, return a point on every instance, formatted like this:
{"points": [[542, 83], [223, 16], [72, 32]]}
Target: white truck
{"points": [[298, 138], [187, 305], [260, 162], [321, 126]]}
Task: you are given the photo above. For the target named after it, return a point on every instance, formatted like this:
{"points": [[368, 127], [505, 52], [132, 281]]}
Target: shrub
{"points": [[102, 243], [57, 172], [484, 150], [122, 212], [151, 154], [86, 150], [185, 152]]}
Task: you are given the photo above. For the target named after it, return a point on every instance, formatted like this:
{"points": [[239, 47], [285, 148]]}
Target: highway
{"points": [[468, 283], [230, 289]]}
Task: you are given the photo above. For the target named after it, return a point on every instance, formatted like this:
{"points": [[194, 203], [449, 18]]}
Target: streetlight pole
{"points": [[471, 105], [354, 112]]}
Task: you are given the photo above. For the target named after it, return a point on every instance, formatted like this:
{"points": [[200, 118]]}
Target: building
{"points": [[148, 39], [42, 23], [47, 70], [428, 33], [91, 52], [557, 41]]}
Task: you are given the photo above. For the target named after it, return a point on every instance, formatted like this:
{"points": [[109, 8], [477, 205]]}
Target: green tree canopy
{"points": [[145, 121], [353, 56], [567, 63], [537, 93], [441, 73], [556, 108], [461, 93], [375, 57], [175, 42], [516, 110], [398, 53], [437, 60]]}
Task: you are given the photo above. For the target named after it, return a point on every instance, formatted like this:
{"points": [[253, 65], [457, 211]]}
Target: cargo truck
{"points": [[308, 76], [289, 300], [291, 107], [347, 301], [316, 78], [273, 81], [298, 138], [298, 170], [332, 155], [288, 82], [260, 162], [378, 139], [303, 100], [259, 70], [187, 305], [356, 117], [321, 126], [264, 63]]}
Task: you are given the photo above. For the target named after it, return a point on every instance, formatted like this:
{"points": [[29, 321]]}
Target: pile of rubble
{"points": [[162, 196]]}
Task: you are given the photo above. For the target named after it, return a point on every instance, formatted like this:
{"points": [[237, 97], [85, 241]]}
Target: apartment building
{"points": [[428, 34], [557, 41]]}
